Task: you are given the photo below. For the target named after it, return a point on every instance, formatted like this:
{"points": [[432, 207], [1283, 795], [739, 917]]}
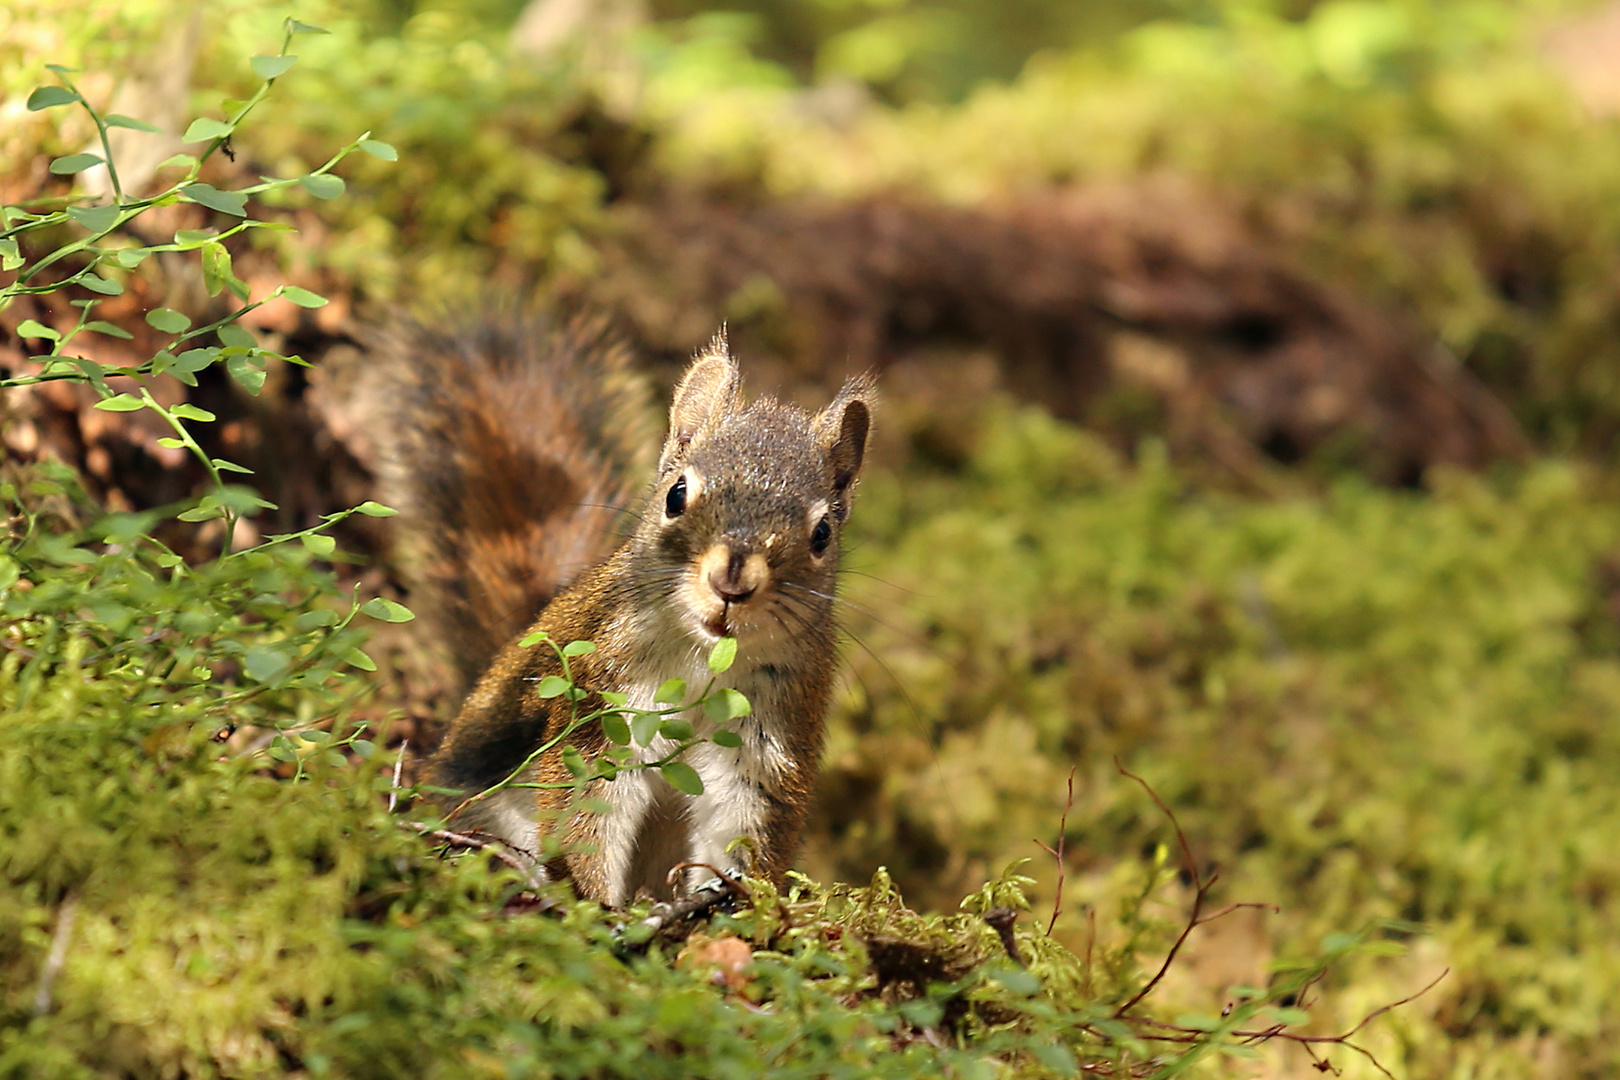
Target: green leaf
{"points": [[357, 658], [574, 762], [194, 238], [322, 185], [722, 655], [552, 686], [578, 648], [196, 359], [130, 258], [387, 610], [614, 697], [726, 704], [309, 620], [205, 128], [264, 663], [675, 730], [230, 466], [644, 727], [168, 320], [682, 777], [48, 97], [1018, 981], [216, 267], [319, 543], [190, 412], [671, 692], [121, 403], [726, 738], [375, 509], [235, 334], [188, 161], [302, 297], [73, 163], [100, 327], [10, 255], [379, 149], [28, 328], [226, 202], [101, 285], [615, 728], [98, 219], [1055, 1056], [245, 373], [169, 442], [296, 27], [271, 67], [532, 639], [119, 120]]}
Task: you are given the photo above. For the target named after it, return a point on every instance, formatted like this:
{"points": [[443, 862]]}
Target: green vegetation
{"points": [[1389, 713]]}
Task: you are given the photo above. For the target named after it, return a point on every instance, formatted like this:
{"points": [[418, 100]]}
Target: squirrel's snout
{"points": [[734, 576]]}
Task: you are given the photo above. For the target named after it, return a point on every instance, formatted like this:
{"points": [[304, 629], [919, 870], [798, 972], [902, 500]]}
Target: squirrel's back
{"points": [[511, 447]]}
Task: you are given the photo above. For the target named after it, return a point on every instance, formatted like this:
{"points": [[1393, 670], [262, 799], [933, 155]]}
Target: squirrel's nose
{"points": [[735, 576]]}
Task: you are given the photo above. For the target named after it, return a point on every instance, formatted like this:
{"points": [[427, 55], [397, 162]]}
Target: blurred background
{"points": [[1251, 374]]}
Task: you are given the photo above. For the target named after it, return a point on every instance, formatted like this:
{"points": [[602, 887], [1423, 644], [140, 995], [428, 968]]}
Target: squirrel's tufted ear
{"points": [[841, 429], [707, 391]]}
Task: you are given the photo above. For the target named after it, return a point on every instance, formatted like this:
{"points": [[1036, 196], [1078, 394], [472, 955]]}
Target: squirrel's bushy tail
{"points": [[510, 448]]}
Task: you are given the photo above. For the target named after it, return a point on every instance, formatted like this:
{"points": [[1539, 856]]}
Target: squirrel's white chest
{"points": [[651, 827]]}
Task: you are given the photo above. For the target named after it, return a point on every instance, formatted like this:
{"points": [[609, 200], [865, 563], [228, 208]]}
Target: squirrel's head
{"points": [[743, 522]]}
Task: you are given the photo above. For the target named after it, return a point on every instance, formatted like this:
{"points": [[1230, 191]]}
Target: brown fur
{"points": [[510, 449]]}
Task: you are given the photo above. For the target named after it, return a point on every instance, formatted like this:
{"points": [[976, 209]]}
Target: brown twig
{"points": [[1200, 890], [1176, 1033], [1057, 853], [497, 848]]}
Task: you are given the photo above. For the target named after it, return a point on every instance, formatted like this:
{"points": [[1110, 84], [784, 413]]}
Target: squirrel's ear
{"points": [[841, 428], [707, 390]]}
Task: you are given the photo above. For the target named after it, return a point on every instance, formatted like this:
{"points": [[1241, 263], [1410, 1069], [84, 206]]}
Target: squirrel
{"points": [[506, 451]]}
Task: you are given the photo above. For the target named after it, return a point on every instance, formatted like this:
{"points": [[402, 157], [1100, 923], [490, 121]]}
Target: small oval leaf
{"points": [[204, 128], [553, 686], [48, 97], [723, 655], [74, 163], [271, 67], [380, 607], [302, 297], [682, 777], [322, 185], [167, 320]]}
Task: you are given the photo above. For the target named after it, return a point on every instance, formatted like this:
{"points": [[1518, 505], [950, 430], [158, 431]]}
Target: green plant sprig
{"points": [[645, 725]]}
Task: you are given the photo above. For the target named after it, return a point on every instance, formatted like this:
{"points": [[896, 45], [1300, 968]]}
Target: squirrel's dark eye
{"points": [[820, 537], [675, 501]]}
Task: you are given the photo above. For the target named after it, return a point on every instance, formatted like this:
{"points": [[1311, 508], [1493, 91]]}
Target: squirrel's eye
{"points": [[820, 537], [675, 501]]}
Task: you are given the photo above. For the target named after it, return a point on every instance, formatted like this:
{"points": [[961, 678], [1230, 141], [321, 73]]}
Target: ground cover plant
{"points": [[1383, 717]]}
